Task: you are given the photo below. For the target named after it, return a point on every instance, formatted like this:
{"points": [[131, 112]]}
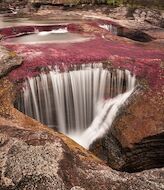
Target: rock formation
{"points": [[8, 61], [35, 157], [32, 156]]}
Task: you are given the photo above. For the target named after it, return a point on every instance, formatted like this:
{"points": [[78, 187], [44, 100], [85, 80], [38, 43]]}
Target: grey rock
{"points": [[153, 17]]}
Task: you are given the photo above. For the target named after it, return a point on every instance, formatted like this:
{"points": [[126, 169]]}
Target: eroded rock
{"points": [[153, 17], [8, 61], [56, 162], [136, 141], [35, 157]]}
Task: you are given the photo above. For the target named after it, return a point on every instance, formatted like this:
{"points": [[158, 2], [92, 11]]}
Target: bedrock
{"points": [[35, 157]]}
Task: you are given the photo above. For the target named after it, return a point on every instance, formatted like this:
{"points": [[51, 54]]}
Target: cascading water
{"points": [[82, 103], [111, 28]]}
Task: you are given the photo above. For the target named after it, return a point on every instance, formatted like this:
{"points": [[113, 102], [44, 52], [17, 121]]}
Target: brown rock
{"points": [[8, 61], [136, 141], [35, 157]]}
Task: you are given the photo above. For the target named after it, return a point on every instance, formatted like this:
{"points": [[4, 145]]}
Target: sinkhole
{"points": [[81, 102]]}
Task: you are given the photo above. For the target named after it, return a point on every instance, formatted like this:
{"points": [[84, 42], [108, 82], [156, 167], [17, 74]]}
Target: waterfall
{"points": [[57, 31], [111, 28], [82, 103]]}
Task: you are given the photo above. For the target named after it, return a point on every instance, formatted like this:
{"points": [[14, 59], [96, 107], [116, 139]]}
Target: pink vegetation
{"points": [[142, 62], [20, 30]]}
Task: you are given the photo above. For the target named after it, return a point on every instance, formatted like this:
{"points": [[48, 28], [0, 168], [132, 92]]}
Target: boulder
{"points": [[135, 142], [153, 17], [8, 61]]}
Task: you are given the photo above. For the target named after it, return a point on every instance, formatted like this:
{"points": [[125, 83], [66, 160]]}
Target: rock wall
{"points": [[135, 142], [34, 157]]}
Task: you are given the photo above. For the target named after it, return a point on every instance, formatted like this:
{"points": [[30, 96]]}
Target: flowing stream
{"points": [[81, 103], [61, 35]]}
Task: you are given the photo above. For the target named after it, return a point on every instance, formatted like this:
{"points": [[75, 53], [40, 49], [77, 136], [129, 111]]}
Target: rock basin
{"points": [[137, 127], [53, 36]]}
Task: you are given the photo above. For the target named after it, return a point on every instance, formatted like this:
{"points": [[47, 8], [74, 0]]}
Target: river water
{"points": [[60, 35]]}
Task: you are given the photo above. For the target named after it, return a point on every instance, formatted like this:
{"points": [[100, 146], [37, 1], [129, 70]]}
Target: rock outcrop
{"points": [[8, 61], [135, 142], [35, 157], [153, 17]]}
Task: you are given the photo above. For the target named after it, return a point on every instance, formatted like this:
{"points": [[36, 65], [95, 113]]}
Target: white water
{"points": [[102, 121], [109, 27], [57, 31], [80, 103]]}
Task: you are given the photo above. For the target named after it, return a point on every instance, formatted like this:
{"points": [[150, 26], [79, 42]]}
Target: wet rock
{"points": [[8, 61], [35, 157], [135, 142], [136, 35], [6, 98], [56, 162]]}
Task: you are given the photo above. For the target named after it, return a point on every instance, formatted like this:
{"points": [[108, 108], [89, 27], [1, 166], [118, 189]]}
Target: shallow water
{"points": [[54, 36], [18, 21]]}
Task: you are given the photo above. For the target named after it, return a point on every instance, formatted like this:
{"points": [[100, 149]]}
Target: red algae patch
{"points": [[145, 63]]}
